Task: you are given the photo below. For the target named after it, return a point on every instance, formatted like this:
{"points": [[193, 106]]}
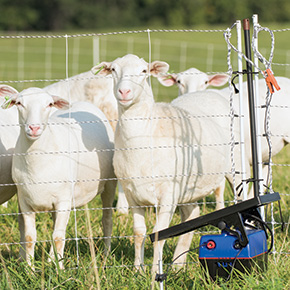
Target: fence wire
{"points": [[232, 142]]}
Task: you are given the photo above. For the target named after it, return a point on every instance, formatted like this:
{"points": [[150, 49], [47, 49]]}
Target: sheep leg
{"points": [[29, 236], [219, 195], [107, 200], [139, 228], [164, 217], [122, 203], [61, 217], [187, 212], [22, 235]]}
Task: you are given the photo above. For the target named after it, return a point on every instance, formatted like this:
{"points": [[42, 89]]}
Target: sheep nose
{"points": [[124, 93], [34, 129]]}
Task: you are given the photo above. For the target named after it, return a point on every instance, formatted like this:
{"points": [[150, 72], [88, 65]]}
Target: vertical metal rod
{"points": [[246, 27], [241, 112]]}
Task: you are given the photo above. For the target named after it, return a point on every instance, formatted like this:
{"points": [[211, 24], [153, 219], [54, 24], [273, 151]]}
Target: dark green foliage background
{"points": [[52, 15]]}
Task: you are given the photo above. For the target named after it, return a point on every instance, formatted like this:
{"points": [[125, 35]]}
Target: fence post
{"points": [[252, 113], [241, 112], [258, 120]]}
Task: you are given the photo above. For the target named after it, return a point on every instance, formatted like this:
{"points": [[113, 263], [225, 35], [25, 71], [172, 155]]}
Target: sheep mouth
{"points": [[32, 136], [125, 101]]}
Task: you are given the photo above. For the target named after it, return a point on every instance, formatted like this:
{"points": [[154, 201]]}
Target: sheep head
{"points": [[34, 107], [193, 80], [130, 75]]}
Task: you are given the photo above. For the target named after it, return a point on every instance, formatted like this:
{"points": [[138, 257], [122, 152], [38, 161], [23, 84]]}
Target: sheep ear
{"points": [[9, 94], [167, 80], [218, 80], [7, 91], [60, 103], [102, 69], [158, 67]]}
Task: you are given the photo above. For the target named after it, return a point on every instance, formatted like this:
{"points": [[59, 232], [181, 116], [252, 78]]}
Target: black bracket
{"points": [[230, 219]]}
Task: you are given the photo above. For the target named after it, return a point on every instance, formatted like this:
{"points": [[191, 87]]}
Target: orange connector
{"points": [[271, 81]]}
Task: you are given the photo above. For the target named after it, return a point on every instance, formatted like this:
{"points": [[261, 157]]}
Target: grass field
{"points": [[29, 62]]}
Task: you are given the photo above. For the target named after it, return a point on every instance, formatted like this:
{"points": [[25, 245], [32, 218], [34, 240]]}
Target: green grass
{"points": [[117, 271], [31, 59]]}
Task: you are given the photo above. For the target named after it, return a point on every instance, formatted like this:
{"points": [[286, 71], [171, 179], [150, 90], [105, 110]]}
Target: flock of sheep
{"points": [[61, 156]]}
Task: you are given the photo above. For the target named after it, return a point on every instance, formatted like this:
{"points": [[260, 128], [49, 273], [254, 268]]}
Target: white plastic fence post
{"points": [[258, 119], [241, 111], [70, 151], [160, 262]]}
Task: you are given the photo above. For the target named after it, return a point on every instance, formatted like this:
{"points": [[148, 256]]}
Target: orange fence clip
{"points": [[271, 81]]}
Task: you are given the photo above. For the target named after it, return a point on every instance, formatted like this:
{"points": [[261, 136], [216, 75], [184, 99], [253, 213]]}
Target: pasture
{"points": [[26, 62]]}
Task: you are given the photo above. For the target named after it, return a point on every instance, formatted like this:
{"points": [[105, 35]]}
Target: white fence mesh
{"points": [[28, 60]]}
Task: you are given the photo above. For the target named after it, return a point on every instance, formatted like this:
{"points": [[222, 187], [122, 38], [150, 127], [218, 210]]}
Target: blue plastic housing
{"points": [[225, 246], [218, 254]]}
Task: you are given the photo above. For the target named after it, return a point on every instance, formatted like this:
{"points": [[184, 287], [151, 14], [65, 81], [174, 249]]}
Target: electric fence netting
{"points": [[41, 60]]}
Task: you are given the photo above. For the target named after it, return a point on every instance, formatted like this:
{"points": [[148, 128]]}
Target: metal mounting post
{"points": [[252, 113]]}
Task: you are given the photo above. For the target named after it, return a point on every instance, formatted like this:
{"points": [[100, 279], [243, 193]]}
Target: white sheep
{"points": [[99, 91], [162, 155], [87, 87], [193, 80], [9, 130], [60, 162]]}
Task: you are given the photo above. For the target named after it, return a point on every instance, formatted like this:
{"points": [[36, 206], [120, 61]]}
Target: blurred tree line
{"points": [[52, 15]]}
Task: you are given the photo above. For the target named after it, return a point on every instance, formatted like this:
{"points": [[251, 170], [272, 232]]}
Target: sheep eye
{"points": [[206, 82], [144, 71], [50, 105], [178, 81], [18, 103], [113, 69]]}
